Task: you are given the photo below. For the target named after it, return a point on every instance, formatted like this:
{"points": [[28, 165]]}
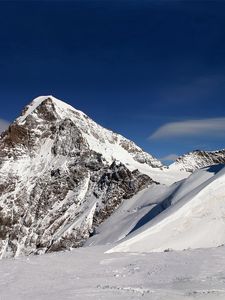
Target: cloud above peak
{"points": [[3, 125], [191, 128]]}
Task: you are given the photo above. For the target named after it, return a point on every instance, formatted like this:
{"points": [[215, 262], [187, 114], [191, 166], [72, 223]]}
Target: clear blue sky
{"points": [[152, 70]]}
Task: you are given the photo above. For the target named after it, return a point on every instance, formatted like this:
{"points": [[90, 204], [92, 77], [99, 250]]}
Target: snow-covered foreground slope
{"points": [[89, 274], [131, 214], [144, 207], [195, 218]]}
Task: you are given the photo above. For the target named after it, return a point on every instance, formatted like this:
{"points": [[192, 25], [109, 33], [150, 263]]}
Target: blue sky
{"points": [[153, 71]]}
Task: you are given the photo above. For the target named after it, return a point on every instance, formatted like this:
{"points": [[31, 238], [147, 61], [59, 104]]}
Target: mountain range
{"points": [[67, 182]]}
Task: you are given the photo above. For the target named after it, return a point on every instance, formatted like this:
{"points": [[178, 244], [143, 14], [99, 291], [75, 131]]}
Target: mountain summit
{"points": [[61, 175], [112, 146]]}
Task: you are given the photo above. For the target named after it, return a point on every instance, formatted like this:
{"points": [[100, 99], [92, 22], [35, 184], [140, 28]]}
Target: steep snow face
{"points": [[54, 187], [195, 218], [198, 159]]}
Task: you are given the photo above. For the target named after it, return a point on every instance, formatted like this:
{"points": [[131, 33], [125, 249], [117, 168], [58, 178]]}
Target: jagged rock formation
{"points": [[198, 159], [61, 175]]}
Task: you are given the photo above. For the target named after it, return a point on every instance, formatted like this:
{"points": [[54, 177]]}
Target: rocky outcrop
{"points": [[116, 184]]}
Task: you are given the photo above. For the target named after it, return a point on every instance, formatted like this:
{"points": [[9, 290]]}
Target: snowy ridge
{"points": [[198, 159], [148, 205], [196, 218]]}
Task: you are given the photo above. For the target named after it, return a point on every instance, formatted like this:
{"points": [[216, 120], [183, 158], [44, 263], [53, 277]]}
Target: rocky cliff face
{"points": [[198, 159], [61, 175]]}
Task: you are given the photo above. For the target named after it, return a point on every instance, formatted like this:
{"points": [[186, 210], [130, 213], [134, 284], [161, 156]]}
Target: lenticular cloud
{"points": [[203, 127]]}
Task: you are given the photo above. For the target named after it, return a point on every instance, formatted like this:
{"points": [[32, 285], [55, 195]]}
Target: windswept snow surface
{"points": [[89, 274], [195, 218]]}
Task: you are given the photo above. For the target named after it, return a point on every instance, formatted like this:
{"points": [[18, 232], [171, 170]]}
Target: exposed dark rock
{"points": [[116, 184]]}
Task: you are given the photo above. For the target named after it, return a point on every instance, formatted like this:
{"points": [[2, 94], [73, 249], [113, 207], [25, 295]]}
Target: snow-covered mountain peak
{"points": [[112, 146], [198, 159], [61, 174], [59, 106]]}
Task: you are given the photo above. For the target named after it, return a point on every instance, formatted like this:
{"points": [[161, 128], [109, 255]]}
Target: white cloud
{"points": [[169, 157], [3, 125], [191, 128]]}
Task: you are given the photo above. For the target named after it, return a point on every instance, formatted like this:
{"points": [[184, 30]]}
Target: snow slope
{"points": [[143, 207], [131, 212], [195, 219]]}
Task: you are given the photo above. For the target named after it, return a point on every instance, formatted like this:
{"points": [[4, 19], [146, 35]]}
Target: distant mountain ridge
{"points": [[199, 159]]}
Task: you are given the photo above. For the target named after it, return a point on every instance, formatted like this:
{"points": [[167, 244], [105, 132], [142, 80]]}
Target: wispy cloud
{"points": [[169, 157], [3, 125], [191, 128]]}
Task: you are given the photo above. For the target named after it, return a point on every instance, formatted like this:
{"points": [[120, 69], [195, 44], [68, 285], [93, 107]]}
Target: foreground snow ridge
{"points": [[197, 220]]}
